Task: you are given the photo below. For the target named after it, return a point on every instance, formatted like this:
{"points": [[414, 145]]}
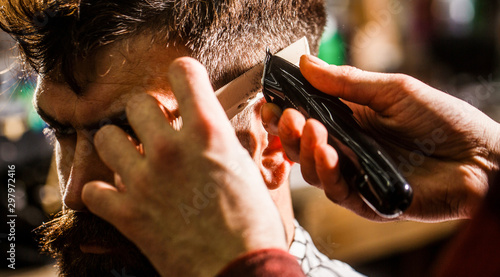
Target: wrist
{"points": [[485, 139]]}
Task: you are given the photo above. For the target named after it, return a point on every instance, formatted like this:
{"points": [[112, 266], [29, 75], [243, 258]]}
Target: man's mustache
{"points": [[70, 229], [61, 238]]}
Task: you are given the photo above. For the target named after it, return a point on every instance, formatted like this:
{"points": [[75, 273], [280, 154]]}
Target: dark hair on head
{"points": [[227, 36]]}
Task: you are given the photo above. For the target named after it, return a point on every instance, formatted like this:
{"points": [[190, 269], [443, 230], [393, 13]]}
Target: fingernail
{"points": [[276, 111], [317, 61], [101, 134], [272, 125]]}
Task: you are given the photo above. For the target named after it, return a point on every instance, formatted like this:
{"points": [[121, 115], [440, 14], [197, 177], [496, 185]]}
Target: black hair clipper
{"points": [[363, 162]]}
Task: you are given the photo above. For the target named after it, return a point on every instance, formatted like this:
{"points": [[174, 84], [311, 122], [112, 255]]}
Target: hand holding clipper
{"points": [[363, 163]]}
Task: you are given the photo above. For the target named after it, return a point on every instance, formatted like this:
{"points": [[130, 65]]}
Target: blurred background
{"points": [[452, 45]]}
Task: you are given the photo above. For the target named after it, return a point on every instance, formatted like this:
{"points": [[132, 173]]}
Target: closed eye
{"points": [[53, 133]]}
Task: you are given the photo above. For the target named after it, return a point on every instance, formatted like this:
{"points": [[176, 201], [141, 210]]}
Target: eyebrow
{"points": [[118, 119], [51, 121]]}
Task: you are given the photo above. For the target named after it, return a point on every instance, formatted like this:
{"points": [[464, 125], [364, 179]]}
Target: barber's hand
{"points": [[192, 200], [446, 149]]}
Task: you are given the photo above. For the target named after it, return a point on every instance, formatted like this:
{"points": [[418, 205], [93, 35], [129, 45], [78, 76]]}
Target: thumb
{"points": [[103, 200], [352, 84]]}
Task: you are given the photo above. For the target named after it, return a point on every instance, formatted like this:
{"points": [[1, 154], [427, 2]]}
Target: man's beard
{"points": [[63, 236]]}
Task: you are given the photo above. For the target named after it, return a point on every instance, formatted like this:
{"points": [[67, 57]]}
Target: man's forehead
{"points": [[120, 71], [129, 62], [123, 62]]}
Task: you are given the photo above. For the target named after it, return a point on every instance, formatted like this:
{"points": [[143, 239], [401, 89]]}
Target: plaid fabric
{"points": [[313, 262]]}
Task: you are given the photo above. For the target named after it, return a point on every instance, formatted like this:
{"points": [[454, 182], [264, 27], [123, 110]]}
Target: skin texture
{"points": [[161, 192], [447, 149], [214, 144]]}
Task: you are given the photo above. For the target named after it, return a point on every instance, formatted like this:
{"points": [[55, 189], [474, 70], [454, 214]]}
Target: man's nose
{"points": [[86, 166]]}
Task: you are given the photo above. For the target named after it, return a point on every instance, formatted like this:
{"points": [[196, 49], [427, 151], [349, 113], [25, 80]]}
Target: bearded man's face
{"points": [[84, 244]]}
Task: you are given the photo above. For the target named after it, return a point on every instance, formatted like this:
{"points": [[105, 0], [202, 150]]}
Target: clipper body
{"points": [[364, 164]]}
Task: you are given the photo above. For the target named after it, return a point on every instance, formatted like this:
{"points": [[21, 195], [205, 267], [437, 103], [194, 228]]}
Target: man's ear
{"points": [[268, 154], [274, 165]]}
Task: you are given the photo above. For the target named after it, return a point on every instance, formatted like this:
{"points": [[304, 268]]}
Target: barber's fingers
{"points": [[313, 136], [328, 170], [270, 114], [306, 142], [376, 90], [147, 119], [116, 150], [290, 130], [335, 186], [192, 89], [104, 200]]}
